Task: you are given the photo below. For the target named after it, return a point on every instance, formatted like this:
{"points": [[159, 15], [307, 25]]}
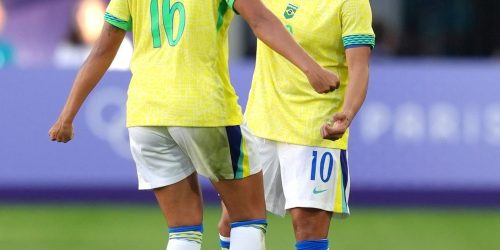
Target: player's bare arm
{"points": [[271, 31], [358, 66], [90, 73]]}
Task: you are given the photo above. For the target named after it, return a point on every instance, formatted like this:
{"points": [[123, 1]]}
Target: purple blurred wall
{"points": [[36, 27], [428, 130]]}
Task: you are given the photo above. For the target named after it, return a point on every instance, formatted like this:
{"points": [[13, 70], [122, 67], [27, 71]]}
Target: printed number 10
{"points": [[168, 22], [322, 166]]}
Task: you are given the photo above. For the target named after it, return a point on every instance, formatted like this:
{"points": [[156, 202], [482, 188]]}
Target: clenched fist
{"points": [[61, 131], [323, 81], [336, 128]]}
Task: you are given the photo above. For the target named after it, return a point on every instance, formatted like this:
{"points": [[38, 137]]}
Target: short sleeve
{"points": [[118, 14], [357, 28]]}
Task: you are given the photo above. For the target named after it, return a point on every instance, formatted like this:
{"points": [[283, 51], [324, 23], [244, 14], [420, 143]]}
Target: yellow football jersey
{"points": [[180, 62], [282, 105]]}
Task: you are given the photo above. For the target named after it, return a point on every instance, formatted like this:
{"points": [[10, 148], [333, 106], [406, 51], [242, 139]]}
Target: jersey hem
{"points": [[185, 124], [327, 144]]}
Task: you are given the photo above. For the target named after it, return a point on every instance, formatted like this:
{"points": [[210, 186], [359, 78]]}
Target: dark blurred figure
{"points": [[437, 27], [486, 36], [451, 28], [6, 49], [387, 43], [83, 33]]}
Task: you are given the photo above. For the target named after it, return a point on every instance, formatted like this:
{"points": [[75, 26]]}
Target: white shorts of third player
{"points": [[303, 176], [167, 155]]}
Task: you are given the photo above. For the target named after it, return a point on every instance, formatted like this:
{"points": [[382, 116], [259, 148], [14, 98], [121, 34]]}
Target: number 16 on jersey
{"points": [[169, 12]]}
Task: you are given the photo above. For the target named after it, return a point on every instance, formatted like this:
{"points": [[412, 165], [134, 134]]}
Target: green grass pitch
{"points": [[124, 227]]}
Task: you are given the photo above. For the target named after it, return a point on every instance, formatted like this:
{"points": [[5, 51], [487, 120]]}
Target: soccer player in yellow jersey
{"points": [[182, 111], [304, 159]]}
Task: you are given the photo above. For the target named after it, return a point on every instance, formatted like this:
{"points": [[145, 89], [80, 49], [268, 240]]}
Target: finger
{"points": [[334, 131], [54, 135], [339, 116], [51, 134], [323, 131], [60, 138]]}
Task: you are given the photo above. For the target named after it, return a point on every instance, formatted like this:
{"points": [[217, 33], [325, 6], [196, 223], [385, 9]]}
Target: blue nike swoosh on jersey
{"points": [[318, 191]]}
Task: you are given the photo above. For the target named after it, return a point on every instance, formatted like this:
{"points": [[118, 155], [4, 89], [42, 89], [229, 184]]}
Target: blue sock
{"points": [[224, 242], [312, 245]]}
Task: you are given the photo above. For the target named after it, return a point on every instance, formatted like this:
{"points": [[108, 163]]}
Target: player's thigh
{"points": [[315, 177], [165, 168], [243, 198], [158, 158], [219, 153]]}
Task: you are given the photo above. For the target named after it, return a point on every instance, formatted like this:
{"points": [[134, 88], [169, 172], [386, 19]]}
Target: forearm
{"points": [[358, 60], [356, 90], [87, 78], [272, 32], [92, 70]]}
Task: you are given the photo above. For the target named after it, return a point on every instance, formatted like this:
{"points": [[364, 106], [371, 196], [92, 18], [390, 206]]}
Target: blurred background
{"points": [[424, 151]]}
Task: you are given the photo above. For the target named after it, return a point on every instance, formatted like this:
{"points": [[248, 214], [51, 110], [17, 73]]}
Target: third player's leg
{"points": [[224, 228]]}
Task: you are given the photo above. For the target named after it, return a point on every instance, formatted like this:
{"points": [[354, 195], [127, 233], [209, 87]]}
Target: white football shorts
{"points": [[167, 155], [304, 176]]}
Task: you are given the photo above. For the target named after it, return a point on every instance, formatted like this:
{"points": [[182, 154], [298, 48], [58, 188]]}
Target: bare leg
{"points": [[310, 223], [244, 199], [224, 222], [224, 228], [244, 202], [181, 203]]}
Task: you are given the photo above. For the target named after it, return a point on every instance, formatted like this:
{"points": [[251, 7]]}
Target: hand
{"points": [[335, 129], [61, 131], [323, 81]]}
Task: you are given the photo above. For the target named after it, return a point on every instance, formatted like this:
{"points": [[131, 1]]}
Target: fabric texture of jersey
{"points": [[324, 29], [180, 62]]}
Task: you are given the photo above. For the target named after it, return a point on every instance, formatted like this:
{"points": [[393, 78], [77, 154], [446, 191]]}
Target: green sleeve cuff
{"points": [[230, 3], [117, 22], [358, 40]]}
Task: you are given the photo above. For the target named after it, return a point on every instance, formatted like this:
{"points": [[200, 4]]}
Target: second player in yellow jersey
{"points": [[304, 157], [325, 29]]}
